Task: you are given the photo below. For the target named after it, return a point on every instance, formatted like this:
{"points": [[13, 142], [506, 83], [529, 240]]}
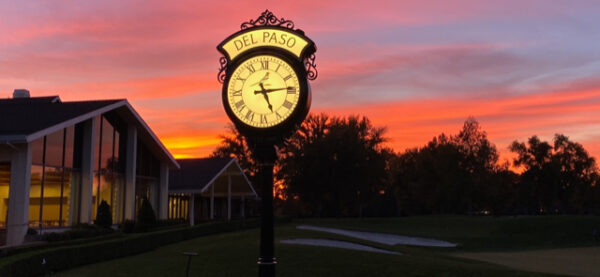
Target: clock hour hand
{"points": [[268, 103], [264, 93]]}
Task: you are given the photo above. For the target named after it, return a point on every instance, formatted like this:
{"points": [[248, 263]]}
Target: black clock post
{"points": [[265, 155], [267, 52]]}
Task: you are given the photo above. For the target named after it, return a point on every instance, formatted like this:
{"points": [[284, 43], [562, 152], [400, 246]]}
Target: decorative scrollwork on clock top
{"points": [[267, 18], [222, 70], [311, 67]]}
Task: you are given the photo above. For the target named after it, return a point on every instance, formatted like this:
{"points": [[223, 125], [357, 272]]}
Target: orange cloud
{"points": [[412, 123]]}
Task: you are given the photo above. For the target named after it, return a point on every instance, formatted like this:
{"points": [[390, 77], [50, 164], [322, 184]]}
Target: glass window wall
{"points": [[178, 206], [52, 177], [4, 184], [108, 177], [146, 180]]}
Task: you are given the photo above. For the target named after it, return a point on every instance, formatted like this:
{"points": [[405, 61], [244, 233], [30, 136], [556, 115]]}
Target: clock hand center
{"points": [[264, 93]]}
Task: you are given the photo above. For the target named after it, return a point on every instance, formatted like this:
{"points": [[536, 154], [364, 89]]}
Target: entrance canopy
{"points": [[221, 177]]}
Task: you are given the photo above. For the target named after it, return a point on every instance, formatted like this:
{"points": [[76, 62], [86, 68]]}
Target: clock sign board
{"points": [[265, 70]]}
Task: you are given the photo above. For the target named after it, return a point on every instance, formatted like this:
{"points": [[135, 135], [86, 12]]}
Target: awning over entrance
{"points": [[210, 178]]}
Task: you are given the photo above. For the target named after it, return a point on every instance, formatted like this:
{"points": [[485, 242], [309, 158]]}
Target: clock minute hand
{"points": [[268, 90]]}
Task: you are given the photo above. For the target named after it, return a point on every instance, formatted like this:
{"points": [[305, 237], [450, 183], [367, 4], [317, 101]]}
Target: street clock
{"points": [[265, 72]]}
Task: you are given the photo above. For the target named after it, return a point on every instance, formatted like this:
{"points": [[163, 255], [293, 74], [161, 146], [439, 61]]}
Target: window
{"points": [[4, 184], [178, 206], [146, 179], [109, 180], [52, 177]]}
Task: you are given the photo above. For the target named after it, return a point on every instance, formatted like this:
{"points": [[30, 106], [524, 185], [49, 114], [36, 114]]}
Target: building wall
{"points": [[62, 177]]}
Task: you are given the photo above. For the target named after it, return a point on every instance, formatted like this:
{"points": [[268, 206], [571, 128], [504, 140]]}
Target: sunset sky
{"points": [[420, 68]]}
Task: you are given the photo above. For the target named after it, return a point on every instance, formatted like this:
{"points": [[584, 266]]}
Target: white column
{"points": [[87, 171], [242, 207], [130, 167], [18, 195], [163, 192], [229, 197], [212, 201], [191, 210]]}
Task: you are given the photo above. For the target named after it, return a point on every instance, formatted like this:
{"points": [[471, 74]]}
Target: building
{"points": [[209, 189], [59, 160]]}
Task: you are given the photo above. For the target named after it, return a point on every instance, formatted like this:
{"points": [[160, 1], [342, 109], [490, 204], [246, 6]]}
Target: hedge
{"points": [[46, 261]]}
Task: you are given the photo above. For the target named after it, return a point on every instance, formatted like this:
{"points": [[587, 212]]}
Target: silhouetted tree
{"points": [[334, 166], [556, 178], [451, 174]]}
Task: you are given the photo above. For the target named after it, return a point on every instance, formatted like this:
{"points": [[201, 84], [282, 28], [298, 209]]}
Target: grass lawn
{"points": [[235, 254], [483, 233], [584, 261]]}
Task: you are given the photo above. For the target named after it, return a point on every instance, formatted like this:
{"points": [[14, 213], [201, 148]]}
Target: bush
{"points": [[146, 219], [78, 231], [162, 223], [65, 257], [104, 215], [128, 226]]}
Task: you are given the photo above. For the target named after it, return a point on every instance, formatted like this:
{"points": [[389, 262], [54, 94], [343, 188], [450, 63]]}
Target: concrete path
{"points": [[337, 244], [388, 239]]}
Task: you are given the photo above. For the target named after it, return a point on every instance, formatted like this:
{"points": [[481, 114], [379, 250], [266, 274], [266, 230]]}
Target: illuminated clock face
{"points": [[263, 91]]}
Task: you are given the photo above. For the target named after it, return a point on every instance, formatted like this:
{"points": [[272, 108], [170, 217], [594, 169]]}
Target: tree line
{"points": [[339, 166]]}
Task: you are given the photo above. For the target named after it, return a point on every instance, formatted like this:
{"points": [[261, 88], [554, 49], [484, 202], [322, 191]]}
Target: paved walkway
{"points": [[338, 244], [388, 239]]}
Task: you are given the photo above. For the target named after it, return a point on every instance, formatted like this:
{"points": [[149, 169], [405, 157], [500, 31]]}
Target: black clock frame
{"points": [[291, 123]]}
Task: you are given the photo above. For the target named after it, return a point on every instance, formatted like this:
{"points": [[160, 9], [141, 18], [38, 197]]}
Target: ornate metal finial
{"points": [[311, 67], [222, 70], [267, 18]]}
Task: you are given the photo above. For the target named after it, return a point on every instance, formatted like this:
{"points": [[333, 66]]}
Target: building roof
{"points": [[27, 119], [196, 175], [26, 116]]}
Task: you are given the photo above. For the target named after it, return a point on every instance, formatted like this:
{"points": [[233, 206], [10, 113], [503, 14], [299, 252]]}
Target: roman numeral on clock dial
{"points": [[240, 105], [288, 104], [250, 115]]}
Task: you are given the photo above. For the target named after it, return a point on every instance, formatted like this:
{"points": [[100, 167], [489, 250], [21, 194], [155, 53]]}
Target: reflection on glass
{"points": [[4, 184], [50, 199], [143, 186], [69, 142], [54, 148], [37, 151], [34, 195], [97, 135], [108, 133]]}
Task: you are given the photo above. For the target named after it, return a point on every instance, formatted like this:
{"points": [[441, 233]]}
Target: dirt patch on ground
{"points": [[570, 261]]}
